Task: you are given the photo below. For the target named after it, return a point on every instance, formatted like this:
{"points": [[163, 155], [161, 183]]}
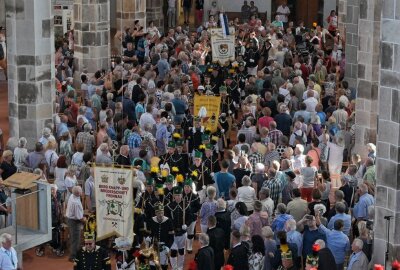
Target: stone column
{"points": [[154, 11], [342, 11], [30, 51], [128, 11], [388, 160], [92, 36], [352, 16], [367, 76]]}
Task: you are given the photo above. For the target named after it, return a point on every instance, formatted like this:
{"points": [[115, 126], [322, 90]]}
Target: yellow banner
{"points": [[212, 105]]}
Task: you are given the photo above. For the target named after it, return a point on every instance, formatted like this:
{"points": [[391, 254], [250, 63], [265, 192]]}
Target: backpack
{"points": [[299, 138]]}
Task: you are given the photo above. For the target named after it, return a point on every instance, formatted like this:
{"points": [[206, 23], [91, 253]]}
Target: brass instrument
{"points": [[148, 256]]}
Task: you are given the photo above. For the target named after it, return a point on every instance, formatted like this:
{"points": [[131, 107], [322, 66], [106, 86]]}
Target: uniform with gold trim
{"points": [[147, 200], [194, 201], [92, 257], [195, 136], [168, 189], [199, 173], [166, 160], [211, 161], [162, 233], [179, 212]]}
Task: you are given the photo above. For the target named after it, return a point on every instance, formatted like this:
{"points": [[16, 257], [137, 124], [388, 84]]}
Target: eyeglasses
{"points": [[88, 244]]}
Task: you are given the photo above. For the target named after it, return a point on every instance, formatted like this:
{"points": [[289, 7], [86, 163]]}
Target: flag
{"points": [[224, 24]]}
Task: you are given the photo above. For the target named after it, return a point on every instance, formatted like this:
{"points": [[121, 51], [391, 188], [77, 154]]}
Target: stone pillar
{"points": [[30, 51], [154, 11], [388, 159], [352, 15], [369, 31], [92, 36], [342, 11], [128, 11]]}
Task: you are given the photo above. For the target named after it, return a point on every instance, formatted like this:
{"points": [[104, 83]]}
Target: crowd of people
{"points": [[277, 186]]}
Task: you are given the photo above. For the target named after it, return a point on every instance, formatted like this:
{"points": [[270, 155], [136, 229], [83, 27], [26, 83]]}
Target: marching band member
{"points": [[193, 201], [162, 233], [179, 212]]}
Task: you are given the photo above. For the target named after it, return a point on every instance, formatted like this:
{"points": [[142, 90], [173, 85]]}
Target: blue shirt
{"points": [[179, 106], [306, 115], [139, 110], [309, 238], [62, 127], [346, 219], [322, 117], [224, 182], [296, 238], [279, 223], [134, 140], [353, 258], [360, 210], [337, 242], [8, 259], [128, 107]]}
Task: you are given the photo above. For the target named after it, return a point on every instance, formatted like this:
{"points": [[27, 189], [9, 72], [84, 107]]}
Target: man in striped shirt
{"points": [[74, 214]]}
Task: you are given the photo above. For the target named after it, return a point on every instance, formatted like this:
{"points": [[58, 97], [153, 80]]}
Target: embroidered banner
{"points": [[212, 106], [114, 202], [223, 46]]}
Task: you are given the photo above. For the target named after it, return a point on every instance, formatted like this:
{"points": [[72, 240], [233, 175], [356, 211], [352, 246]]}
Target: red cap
{"points": [[378, 267]]}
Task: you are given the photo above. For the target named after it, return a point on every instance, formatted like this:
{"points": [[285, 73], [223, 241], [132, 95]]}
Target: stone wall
{"points": [[92, 35], [352, 16], [154, 11], [388, 160], [367, 75], [342, 11], [128, 11], [30, 50]]}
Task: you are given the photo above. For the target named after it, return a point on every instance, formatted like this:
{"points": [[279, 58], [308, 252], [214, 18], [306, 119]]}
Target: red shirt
{"points": [[264, 121]]}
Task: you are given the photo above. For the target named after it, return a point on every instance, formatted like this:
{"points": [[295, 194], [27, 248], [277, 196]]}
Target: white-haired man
{"points": [[358, 259], [205, 256], [8, 255], [74, 214], [104, 157]]}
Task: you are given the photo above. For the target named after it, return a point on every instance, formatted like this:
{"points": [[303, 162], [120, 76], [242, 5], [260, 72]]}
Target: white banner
{"points": [[114, 202], [223, 48]]}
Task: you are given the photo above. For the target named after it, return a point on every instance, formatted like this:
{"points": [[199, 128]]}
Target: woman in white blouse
{"points": [[20, 153], [247, 194]]}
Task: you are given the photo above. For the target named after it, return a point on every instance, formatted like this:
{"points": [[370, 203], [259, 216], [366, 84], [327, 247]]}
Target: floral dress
{"points": [[256, 261]]}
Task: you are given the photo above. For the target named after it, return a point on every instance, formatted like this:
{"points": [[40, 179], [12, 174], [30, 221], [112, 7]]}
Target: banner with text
{"points": [[114, 202], [223, 47], [212, 105]]}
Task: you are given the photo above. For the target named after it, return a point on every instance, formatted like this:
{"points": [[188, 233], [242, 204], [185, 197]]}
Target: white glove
{"points": [[166, 249], [148, 239], [212, 174], [222, 130], [184, 227], [124, 265], [204, 187]]}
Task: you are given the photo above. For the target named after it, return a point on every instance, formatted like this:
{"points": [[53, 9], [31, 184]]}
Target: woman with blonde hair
{"points": [[208, 208], [51, 157]]}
